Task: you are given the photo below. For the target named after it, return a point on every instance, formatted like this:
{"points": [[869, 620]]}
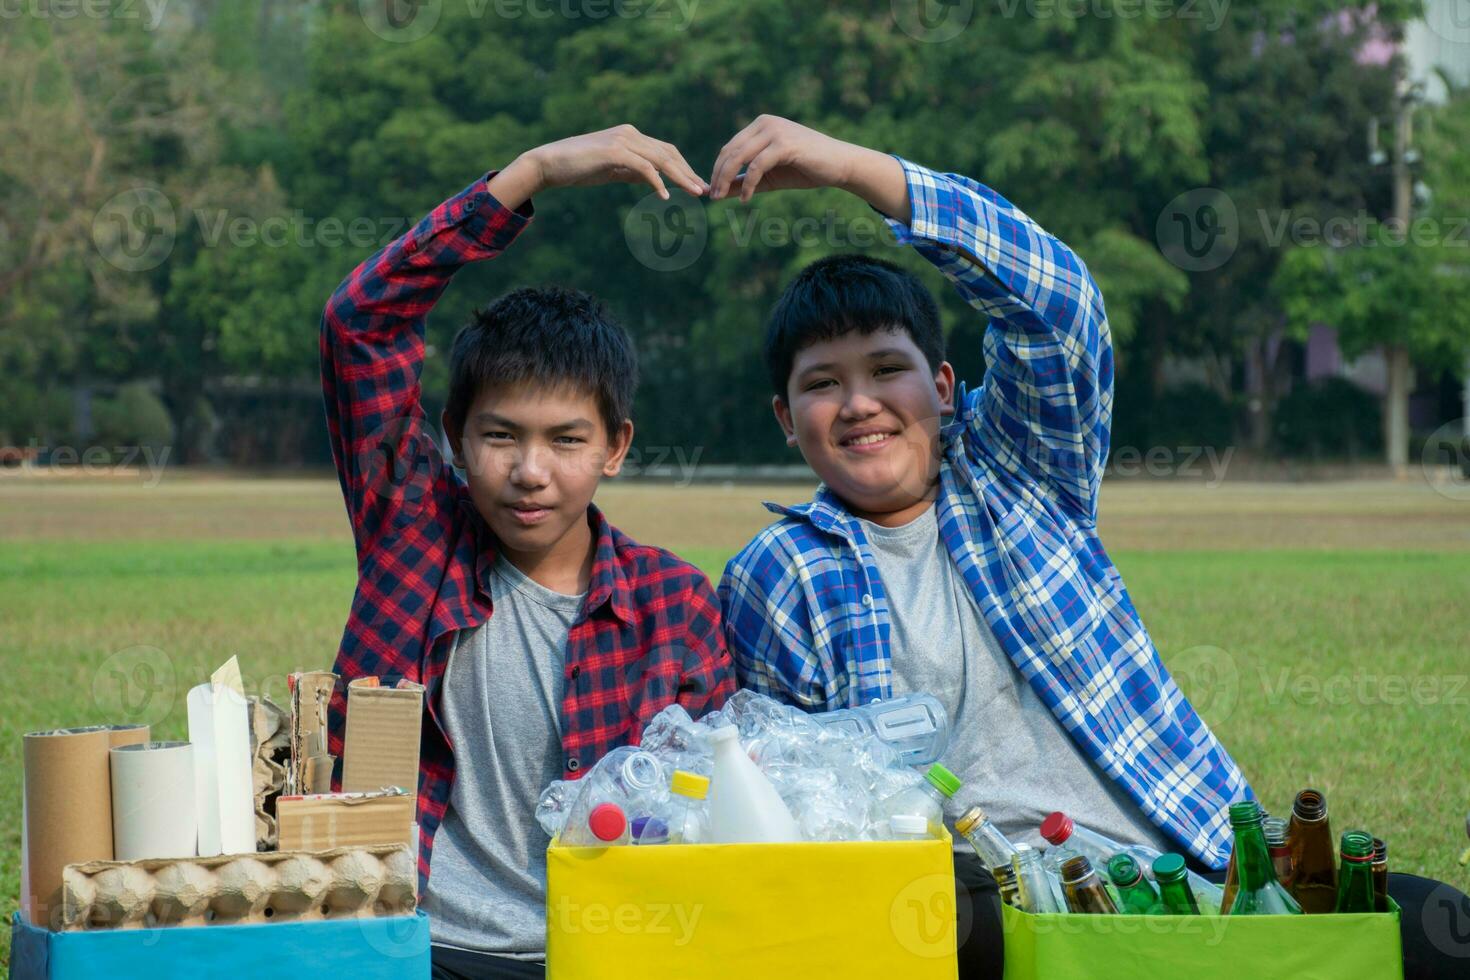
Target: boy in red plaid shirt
{"points": [[543, 635]]}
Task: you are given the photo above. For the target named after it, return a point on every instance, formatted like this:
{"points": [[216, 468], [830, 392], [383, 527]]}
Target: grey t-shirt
{"points": [[502, 712], [1012, 753]]}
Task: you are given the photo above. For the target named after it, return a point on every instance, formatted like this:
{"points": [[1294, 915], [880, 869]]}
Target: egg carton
{"points": [[279, 886]]}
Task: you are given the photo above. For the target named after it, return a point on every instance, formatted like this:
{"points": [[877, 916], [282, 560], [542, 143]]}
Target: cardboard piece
{"points": [[318, 822], [310, 770], [348, 882], [68, 811], [381, 747], [270, 746]]}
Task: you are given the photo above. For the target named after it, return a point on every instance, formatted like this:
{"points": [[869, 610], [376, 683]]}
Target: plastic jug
{"points": [[744, 808]]}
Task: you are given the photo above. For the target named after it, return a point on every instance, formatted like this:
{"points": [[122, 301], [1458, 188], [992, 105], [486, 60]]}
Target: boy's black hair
{"points": [[549, 335], [843, 294]]}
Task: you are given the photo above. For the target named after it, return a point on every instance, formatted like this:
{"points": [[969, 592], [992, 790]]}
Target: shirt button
{"points": [[573, 764], [867, 599], [576, 672]]}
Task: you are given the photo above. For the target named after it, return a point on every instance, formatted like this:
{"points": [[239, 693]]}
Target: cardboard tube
{"points": [[68, 810], [153, 804], [128, 734]]}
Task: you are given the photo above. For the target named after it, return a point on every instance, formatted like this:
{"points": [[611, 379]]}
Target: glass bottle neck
{"points": [[1252, 861]]}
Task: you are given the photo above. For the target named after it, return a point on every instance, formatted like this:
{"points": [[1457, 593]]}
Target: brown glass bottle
{"points": [[1313, 854], [1380, 875], [1084, 889], [1278, 845]]}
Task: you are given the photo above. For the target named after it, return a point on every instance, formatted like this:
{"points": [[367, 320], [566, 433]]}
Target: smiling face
{"points": [[533, 457], [865, 410]]}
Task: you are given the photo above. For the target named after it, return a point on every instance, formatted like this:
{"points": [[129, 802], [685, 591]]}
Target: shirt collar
{"points": [[609, 580], [826, 512]]}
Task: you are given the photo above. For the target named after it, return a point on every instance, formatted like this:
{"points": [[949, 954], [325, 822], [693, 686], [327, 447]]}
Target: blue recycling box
{"points": [[363, 949]]}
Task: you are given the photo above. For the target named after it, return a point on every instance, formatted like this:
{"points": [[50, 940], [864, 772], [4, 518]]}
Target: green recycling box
{"points": [[1202, 947]]}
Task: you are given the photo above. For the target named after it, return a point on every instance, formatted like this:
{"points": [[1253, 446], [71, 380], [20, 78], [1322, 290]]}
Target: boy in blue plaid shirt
{"points": [[962, 558]]}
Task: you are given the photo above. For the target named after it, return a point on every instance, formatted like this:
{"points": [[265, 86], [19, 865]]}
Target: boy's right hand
{"points": [[618, 155]]}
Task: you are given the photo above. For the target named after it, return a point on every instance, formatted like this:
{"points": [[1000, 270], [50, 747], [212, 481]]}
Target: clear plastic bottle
{"points": [[688, 820], [915, 725], [1034, 885], [744, 808], [628, 779], [906, 826], [925, 800]]}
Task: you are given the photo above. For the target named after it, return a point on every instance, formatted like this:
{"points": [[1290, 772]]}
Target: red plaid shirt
{"points": [[649, 631]]}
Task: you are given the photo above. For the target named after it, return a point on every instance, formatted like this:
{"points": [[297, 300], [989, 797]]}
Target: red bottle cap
{"points": [[1056, 828], [607, 821]]}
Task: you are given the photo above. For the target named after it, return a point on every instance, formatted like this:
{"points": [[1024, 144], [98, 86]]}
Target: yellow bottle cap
{"points": [[690, 784]]}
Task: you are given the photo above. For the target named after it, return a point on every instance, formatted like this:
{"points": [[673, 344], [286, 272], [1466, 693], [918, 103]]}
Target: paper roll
{"points": [[219, 728], [153, 804], [128, 734], [68, 811]]}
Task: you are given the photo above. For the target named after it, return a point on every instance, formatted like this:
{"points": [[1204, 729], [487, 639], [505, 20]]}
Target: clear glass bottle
{"points": [[1035, 891], [1278, 845]]}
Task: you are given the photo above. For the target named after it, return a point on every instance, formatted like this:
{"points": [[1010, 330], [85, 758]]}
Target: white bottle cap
{"points": [[908, 823]]}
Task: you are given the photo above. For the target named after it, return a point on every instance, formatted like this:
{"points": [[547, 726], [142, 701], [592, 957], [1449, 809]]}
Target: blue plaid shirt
{"points": [[806, 616]]}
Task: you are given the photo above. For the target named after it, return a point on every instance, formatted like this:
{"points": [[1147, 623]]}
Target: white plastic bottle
{"points": [[744, 808]]}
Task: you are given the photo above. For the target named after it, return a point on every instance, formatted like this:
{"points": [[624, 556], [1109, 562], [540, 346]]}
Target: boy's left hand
{"points": [[778, 154]]}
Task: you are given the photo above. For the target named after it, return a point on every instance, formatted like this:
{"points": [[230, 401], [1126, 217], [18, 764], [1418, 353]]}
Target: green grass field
{"points": [[1322, 629]]}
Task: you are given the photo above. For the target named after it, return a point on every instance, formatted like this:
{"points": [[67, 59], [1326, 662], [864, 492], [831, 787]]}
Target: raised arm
{"points": [[1044, 409], [372, 336]]}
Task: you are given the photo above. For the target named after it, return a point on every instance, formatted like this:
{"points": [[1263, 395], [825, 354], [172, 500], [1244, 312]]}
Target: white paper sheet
{"points": [[219, 728]]}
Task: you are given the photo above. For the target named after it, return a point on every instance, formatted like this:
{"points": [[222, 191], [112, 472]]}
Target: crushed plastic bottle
{"points": [[915, 725], [629, 779], [551, 808]]}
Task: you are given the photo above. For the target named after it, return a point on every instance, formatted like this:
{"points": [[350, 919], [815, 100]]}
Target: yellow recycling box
{"points": [[879, 909]]}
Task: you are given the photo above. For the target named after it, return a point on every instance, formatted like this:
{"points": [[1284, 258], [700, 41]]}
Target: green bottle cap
{"points": [[1168, 867], [943, 780], [1124, 870]]}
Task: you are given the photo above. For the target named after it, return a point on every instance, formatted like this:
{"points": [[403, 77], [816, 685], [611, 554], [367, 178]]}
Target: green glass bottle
{"points": [[1084, 889], [1175, 895], [1136, 894], [1355, 877], [1259, 892]]}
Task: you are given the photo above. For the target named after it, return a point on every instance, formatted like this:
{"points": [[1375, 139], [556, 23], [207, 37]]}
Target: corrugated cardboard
{"points": [[311, 691], [312, 823], [381, 747]]}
